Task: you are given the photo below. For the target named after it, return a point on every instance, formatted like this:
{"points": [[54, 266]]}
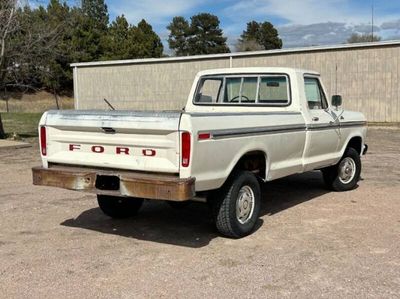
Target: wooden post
{"points": [[2, 133], [56, 98], [6, 99]]}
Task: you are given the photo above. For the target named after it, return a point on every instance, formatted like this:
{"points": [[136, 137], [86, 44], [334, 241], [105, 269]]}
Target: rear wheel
{"points": [[119, 207], [236, 206], [344, 175]]}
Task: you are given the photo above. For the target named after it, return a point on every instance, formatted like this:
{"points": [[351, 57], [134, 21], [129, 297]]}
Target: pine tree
{"points": [[93, 25], [259, 35], [251, 32], [203, 36], [124, 41], [178, 38], [118, 42], [59, 75], [96, 11], [150, 44], [268, 37]]}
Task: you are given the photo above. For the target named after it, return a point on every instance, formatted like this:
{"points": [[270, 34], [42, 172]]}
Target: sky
{"points": [[299, 23]]}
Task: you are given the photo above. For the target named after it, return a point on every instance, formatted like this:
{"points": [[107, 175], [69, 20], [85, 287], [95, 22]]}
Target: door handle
{"points": [[341, 118], [315, 118]]}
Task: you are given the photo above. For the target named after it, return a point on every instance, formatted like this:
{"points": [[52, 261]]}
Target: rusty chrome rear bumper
{"points": [[132, 184]]}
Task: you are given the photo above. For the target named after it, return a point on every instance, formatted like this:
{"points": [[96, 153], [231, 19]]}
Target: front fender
{"points": [[347, 141]]}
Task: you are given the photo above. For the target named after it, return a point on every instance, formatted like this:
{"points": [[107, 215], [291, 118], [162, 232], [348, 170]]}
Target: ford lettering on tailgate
{"points": [[118, 150]]}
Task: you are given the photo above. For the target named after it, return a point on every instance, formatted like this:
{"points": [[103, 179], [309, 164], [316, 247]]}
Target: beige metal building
{"points": [[366, 75]]}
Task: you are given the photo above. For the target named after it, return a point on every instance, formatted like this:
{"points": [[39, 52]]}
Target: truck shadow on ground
{"points": [[192, 226]]}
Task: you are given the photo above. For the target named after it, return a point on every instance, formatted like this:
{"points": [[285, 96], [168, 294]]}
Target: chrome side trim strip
{"points": [[316, 127], [200, 114], [229, 133], [353, 123], [219, 134], [205, 114], [336, 125]]}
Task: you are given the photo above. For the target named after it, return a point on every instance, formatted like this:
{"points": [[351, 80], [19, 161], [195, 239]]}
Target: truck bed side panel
{"points": [[279, 135]]}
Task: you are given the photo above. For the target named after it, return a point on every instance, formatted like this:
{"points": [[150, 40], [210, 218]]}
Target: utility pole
{"points": [[372, 21]]}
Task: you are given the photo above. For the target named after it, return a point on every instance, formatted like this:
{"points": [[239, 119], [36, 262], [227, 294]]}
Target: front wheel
{"points": [[119, 207], [344, 175], [236, 206]]}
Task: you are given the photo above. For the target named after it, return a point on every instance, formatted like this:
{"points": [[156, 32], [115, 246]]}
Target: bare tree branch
{"points": [[27, 45]]}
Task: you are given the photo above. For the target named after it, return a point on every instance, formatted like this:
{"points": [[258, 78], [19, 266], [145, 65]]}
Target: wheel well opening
{"points": [[356, 143], [253, 161]]}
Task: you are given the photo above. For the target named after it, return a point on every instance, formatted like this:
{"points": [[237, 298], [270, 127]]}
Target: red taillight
{"points": [[185, 149], [43, 141]]}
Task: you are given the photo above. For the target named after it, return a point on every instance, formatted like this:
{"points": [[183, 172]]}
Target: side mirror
{"points": [[336, 100]]}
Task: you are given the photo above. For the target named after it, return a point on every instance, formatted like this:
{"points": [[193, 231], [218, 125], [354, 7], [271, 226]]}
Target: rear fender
{"points": [[233, 166]]}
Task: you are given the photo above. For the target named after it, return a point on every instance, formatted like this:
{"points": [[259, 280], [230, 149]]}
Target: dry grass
{"points": [[35, 102], [20, 124], [25, 110]]}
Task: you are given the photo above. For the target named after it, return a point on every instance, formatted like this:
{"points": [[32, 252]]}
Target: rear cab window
{"points": [[249, 89], [210, 90]]}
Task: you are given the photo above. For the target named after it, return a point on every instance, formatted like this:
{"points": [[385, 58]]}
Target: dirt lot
{"points": [[309, 242]]}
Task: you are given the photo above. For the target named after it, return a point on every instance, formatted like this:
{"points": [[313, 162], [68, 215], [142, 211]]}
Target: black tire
{"points": [[332, 175], [223, 203], [119, 207]]}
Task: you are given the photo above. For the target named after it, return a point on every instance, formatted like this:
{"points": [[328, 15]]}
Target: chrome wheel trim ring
{"points": [[245, 204], [347, 170]]}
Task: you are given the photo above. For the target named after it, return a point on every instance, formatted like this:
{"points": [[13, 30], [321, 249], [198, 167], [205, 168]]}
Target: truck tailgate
{"points": [[144, 141]]}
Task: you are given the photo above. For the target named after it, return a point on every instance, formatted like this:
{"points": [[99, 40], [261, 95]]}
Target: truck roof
{"points": [[242, 70]]}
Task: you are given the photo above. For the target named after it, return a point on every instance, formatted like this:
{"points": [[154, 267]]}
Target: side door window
{"points": [[323, 134], [314, 94]]}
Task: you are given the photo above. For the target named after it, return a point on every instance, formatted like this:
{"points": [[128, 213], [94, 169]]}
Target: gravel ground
{"points": [[309, 243]]}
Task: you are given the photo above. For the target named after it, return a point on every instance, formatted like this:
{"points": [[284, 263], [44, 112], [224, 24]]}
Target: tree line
{"points": [[37, 45]]}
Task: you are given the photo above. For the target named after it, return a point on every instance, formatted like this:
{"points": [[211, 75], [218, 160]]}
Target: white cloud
{"points": [[302, 12], [155, 11], [312, 22], [332, 33], [329, 33], [392, 25], [314, 34]]}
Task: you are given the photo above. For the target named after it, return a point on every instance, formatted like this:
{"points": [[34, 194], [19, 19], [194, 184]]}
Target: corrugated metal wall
{"points": [[368, 78]]}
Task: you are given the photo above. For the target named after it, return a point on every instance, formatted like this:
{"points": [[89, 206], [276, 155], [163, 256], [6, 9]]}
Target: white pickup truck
{"points": [[239, 128]]}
